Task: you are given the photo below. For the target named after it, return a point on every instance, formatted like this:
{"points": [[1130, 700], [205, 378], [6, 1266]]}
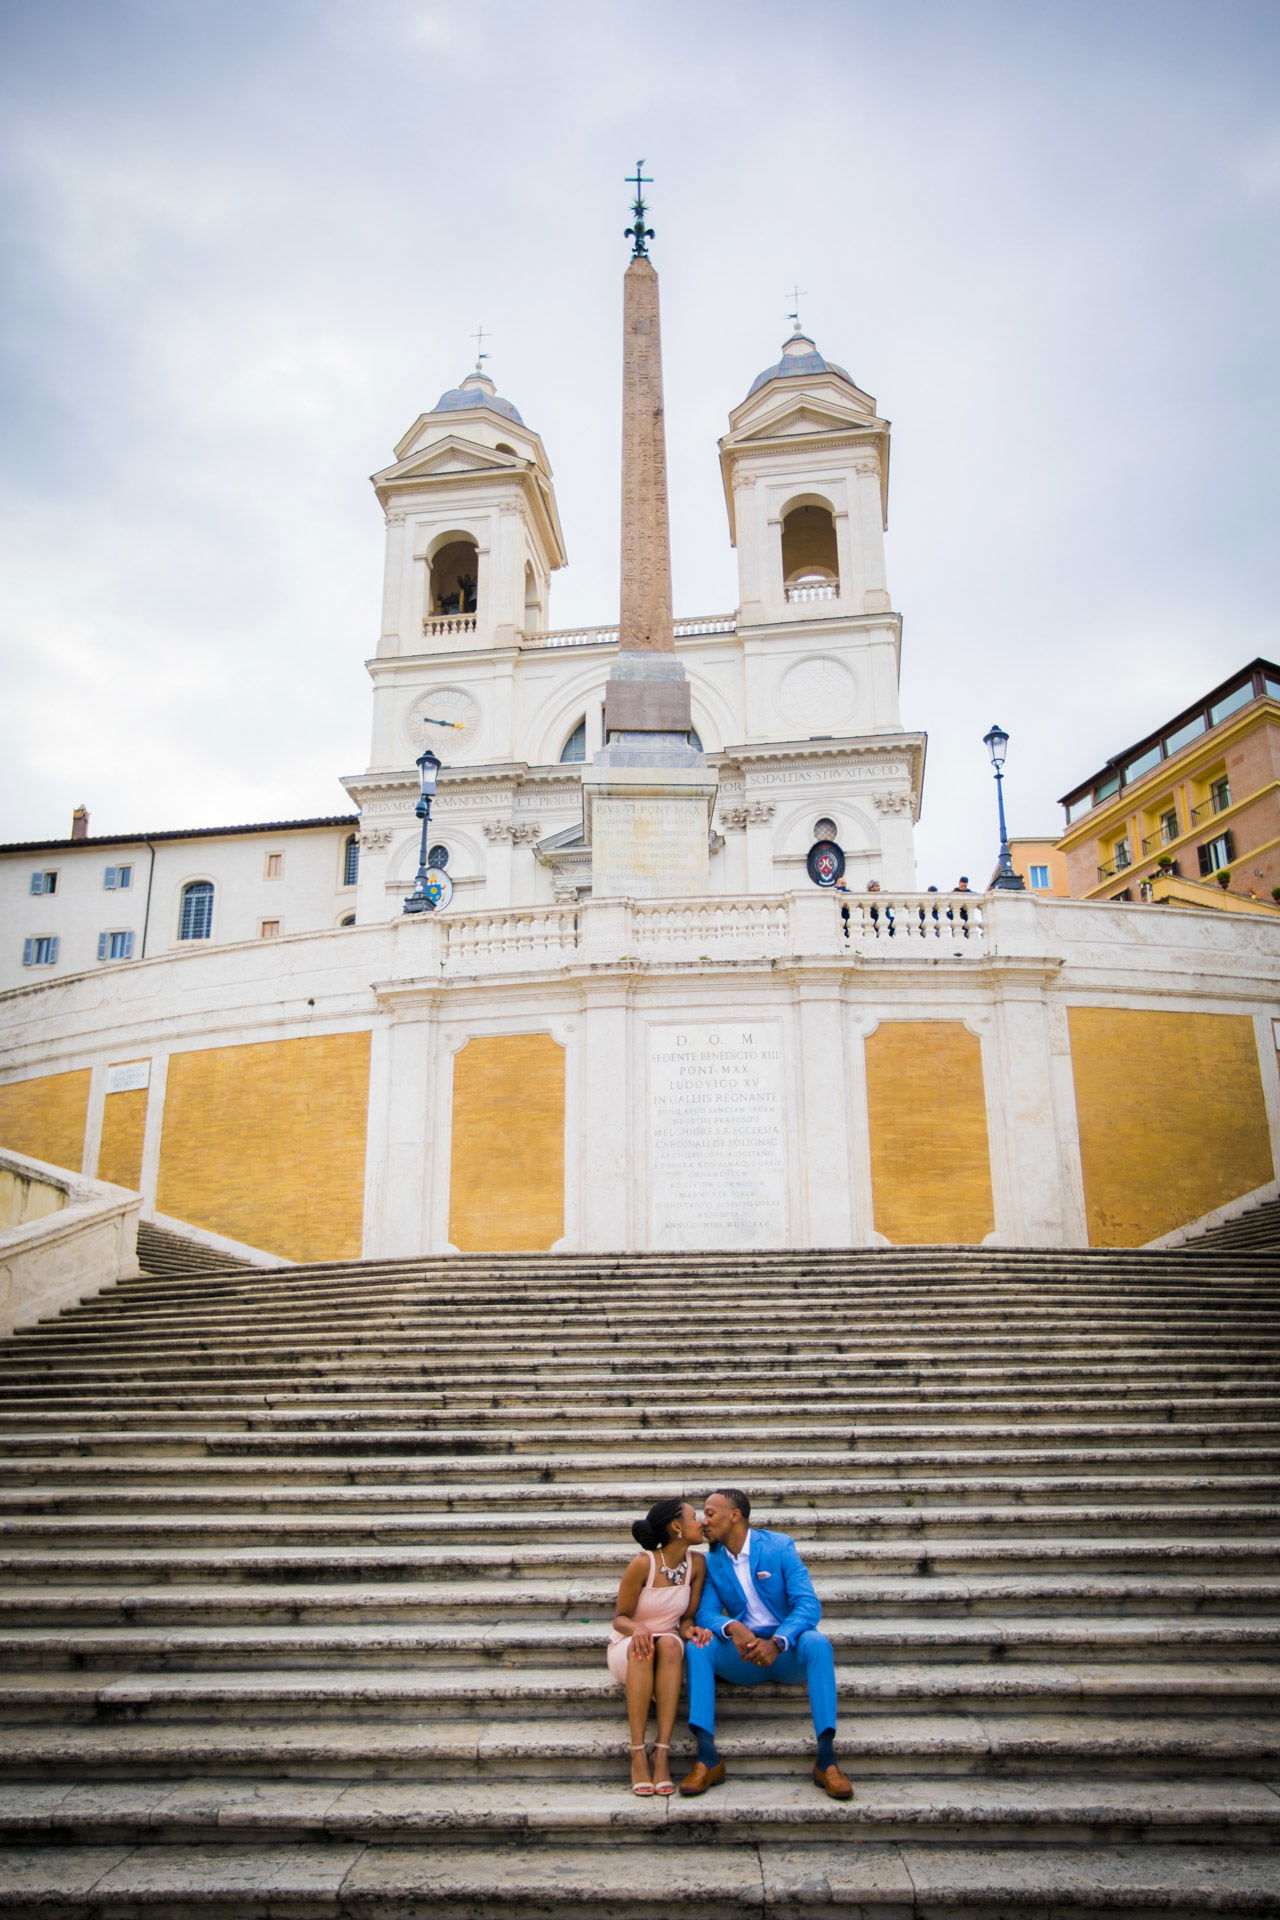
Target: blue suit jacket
{"points": [[781, 1579]]}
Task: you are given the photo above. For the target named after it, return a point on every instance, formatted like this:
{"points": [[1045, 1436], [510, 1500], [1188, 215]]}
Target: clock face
{"points": [[453, 704]]}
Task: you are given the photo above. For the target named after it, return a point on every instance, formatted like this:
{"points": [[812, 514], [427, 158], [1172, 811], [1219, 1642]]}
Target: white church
{"points": [[784, 1043]]}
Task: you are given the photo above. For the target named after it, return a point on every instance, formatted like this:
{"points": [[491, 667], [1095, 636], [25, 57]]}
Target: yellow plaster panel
{"points": [[124, 1121], [927, 1114], [46, 1117], [266, 1144], [506, 1191], [1171, 1115]]}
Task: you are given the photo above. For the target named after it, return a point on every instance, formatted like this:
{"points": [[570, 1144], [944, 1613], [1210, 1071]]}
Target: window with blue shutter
{"points": [[40, 951]]}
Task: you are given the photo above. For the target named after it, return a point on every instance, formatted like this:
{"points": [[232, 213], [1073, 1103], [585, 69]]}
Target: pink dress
{"points": [[659, 1611]]}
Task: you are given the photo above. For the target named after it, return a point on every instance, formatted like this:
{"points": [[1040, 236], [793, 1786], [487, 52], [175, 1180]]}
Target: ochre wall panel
{"points": [[506, 1191], [46, 1118], [266, 1143], [927, 1114], [1171, 1115], [124, 1121]]}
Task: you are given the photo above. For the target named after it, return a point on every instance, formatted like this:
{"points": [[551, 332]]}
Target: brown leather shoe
{"points": [[701, 1776], [832, 1781]]}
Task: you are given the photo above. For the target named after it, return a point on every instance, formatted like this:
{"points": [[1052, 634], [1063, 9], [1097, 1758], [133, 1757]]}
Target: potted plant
{"points": [[1224, 878]]}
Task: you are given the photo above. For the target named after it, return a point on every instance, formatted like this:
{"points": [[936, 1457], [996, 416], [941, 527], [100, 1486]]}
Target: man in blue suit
{"points": [[760, 1609]]}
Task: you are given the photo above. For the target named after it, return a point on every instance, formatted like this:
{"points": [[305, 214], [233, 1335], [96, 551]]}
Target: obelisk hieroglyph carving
{"points": [[647, 797]]}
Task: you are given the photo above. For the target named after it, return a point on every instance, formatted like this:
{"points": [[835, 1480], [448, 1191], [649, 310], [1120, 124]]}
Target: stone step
{"points": [[925, 1556], [477, 1812], [614, 1880], [395, 1514], [285, 1477], [528, 1588], [888, 1658], [514, 1735], [518, 1519]]}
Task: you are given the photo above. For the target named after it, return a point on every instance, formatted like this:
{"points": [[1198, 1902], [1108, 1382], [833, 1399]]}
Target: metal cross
{"points": [[480, 336], [797, 294], [639, 233]]}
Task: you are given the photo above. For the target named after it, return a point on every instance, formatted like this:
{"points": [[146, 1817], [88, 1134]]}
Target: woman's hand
{"points": [[642, 1646], [699, 1636]]}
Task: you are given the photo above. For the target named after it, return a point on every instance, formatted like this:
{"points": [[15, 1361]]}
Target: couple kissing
{"points": [[744, 1611]]}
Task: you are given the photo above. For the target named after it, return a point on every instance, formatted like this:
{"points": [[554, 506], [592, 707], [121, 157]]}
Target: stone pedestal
{"points": [[648, 830]]}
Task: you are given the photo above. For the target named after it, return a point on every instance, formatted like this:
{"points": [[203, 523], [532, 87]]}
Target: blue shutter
{"points": [[53, 949], [104, 943], [109, 879], [128, 946], [37, 883], [28, 952]]}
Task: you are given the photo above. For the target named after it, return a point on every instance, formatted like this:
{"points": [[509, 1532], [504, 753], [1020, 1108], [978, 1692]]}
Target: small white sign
{"points": [[127, 1078]]}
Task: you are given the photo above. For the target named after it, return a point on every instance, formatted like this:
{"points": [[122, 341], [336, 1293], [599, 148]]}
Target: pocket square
{"points": [[762, 1575]]}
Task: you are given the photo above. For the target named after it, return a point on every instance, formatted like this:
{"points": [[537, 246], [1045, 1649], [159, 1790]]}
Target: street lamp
{"points": [[996, 743], [429, 764]]}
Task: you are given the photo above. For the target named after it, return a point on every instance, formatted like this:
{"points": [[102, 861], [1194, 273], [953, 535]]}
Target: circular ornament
{"points": [[439, 888], [443, 703], [825, 863], [818, 694]]}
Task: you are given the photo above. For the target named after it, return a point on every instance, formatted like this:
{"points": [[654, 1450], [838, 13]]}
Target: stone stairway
{"points": [[307, 1575], [1257, 1230]]}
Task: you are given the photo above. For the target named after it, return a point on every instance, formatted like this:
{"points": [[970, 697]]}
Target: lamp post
{"points": [[996, 742], [429, 764]]}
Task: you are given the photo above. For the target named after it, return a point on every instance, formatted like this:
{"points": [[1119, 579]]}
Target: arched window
{"points": [[453, 579], [575, 747], [196, 919], [347, 920], [810, 565], [351, 860]]}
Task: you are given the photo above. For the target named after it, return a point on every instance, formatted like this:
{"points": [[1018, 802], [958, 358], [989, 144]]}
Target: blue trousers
{"points": [[808, 1662]]}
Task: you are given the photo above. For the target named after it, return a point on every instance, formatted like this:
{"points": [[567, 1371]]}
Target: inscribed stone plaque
{"points": [[717, 1146], [128, 1077], [649, 848]]}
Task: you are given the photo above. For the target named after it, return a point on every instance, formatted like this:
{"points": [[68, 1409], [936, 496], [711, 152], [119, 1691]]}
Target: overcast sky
{"points": [[247, 243]]}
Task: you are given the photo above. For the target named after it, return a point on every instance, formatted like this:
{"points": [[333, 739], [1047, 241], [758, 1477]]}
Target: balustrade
{"points": [[438, 625]]}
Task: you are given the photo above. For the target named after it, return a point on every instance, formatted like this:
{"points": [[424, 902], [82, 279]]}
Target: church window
{"points": [[575, 747], [824, 829], [115, 946], [117, 877], [351, 860], [195, 921], [810, 566], [438, 856], [40, 951], [274, 869], [347, 920], [454, 573], [44, 883]]}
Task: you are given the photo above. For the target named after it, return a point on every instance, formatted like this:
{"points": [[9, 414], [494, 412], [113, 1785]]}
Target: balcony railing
{"points": [[437, 625], [814, 590], [1218, 802], [1161, 838], [608, 636]]}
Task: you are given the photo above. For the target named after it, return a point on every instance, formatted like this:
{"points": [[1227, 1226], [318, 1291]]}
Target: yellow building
{"points": [[1040, 861], [1197, 799]]}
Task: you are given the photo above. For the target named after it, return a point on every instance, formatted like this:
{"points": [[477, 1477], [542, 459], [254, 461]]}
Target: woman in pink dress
{"points": [[657, 1600]]}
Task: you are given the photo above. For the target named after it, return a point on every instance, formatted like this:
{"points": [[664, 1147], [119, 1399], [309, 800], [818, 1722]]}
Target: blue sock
{"points": [[826, 1748], [706, 1747]]}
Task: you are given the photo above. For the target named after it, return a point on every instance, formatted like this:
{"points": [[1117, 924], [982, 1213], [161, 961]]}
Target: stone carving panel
{"points": [[818, 695]]}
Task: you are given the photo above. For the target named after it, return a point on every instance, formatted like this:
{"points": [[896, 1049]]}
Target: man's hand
{"points": [[759, 1653], [699, 1636]]}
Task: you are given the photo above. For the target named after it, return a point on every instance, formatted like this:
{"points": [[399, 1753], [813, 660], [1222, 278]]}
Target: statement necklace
{"points": [[677, 1574]]}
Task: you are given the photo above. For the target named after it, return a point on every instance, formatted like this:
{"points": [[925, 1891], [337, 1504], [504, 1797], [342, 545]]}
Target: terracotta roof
{"points": [[182, 833]]}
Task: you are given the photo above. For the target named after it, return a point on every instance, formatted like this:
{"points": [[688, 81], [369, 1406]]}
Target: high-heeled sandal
{"points": [[644, 1788], [664, 1787]]}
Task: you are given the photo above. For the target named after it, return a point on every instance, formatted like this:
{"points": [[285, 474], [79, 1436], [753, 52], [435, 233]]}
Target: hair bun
{"points": [[646, 1535]]}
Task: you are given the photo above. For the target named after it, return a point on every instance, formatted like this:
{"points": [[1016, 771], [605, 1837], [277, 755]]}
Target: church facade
{"points": [[803, 1050]]}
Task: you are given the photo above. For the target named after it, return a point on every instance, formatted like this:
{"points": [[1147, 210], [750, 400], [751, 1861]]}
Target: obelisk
{"points": [[647, 796]]}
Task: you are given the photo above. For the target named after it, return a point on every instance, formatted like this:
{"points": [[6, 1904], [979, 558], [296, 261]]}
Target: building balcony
{"points": [[1218, 802]]}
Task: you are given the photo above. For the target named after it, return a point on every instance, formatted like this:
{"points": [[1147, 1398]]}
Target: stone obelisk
{"points": [[647, 796]]}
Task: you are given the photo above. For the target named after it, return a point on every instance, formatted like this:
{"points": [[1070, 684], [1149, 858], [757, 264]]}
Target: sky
{"points": [[246, 244]]}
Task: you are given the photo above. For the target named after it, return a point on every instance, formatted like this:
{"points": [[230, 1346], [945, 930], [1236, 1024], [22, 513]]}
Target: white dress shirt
{"points": [[759, 1618]]}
